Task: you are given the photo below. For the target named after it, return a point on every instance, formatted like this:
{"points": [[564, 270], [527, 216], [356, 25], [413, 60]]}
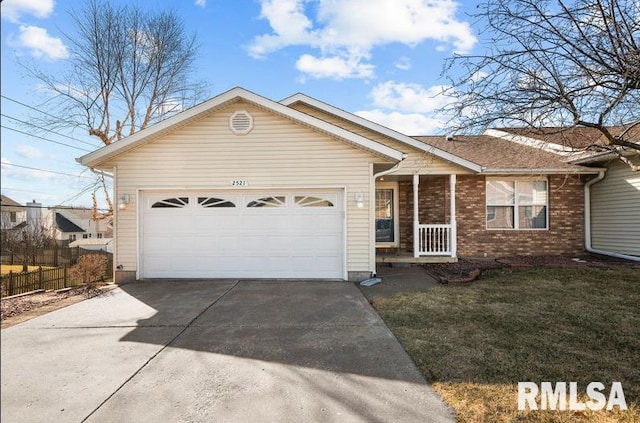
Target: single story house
{"points": [[243, 186], [612, 200]]}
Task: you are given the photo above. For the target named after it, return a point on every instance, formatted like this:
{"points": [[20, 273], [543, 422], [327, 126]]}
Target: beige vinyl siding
{"points": [[615, 211], [416, 161], [277, 153]]}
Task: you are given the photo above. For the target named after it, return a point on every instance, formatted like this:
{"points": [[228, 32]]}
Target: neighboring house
{"points": [[612, 215], [75, 224], [245, 187], [12, 214]]}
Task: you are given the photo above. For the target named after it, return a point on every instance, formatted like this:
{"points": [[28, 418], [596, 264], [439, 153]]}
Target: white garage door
{"points": [[243, 234]]}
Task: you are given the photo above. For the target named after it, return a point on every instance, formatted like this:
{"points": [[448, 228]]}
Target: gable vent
{"points": [[241, 122]]}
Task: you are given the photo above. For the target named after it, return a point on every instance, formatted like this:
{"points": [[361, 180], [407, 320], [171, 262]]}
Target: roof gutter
{"points": [[543, 171], [587, 223], [100, 172]]}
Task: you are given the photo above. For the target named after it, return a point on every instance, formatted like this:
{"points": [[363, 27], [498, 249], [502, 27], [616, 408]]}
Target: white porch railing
{"points": [[434, 240]]}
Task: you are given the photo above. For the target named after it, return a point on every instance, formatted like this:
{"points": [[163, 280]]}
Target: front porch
{"points": [[415, 218], [408, 258]]}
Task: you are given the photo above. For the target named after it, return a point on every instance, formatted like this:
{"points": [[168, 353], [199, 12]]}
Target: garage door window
{"points": [[214, 202], [279, 201], [304, 201], [174, 203]]}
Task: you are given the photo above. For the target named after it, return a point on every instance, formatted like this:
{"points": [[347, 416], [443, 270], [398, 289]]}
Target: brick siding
{"points": [[565, 235]]}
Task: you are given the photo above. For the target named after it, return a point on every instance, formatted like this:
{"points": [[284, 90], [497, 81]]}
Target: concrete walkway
{"points": [[223, 350], [399, 280]]}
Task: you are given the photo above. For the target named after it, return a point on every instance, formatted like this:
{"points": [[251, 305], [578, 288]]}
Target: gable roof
{"points": [[152, 132], [65, 225], [500, 156], [9, 204], [443, 154], [578, 144]]}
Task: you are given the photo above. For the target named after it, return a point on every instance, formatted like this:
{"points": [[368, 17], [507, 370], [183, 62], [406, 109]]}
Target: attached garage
{"points": [[243, 234], [241, 186]]}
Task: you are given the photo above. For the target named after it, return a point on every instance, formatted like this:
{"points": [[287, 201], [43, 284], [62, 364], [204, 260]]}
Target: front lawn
{"points": [[17, 268], [475, 342]]}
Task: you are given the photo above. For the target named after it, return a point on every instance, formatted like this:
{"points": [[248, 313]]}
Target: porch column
{"points": [[416, 216], [452, 215]]}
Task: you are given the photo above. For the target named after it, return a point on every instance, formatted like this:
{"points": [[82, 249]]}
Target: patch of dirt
{"points": [[467, 270], [20, 309]]}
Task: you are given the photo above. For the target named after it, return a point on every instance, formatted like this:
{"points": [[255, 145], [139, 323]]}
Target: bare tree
{"points": [[26, 241], [560, 63], [128, 69]]}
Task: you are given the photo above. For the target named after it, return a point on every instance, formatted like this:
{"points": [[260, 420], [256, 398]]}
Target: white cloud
{"points": [[406, 123], [40, 44], [352, 28], [290, 26], [201, 3], [12, 10], [19, 173], [334, 67], [412, 98], [403, 63], [29, 152], [408, 108], [5, 166]]}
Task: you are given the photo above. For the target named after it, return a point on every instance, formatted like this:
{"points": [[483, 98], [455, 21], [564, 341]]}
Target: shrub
{"points": [[90, 268]]}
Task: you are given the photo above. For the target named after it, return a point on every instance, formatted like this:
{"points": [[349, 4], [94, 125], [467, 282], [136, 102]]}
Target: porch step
{"points": [[398, 258]]}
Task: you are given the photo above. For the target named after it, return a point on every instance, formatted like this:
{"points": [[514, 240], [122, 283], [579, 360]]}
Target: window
{"points": [[179, 202], [213, 202], [517, 204], [13, 217], [304, 201], [385, 215], [99, 236], [85, 236], [268, 202], [72, 237]]}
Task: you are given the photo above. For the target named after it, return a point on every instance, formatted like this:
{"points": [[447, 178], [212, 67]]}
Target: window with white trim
{"points": [[517, 204]]}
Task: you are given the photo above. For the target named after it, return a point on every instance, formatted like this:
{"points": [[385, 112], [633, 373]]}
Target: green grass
{"points": [[475, 342]]}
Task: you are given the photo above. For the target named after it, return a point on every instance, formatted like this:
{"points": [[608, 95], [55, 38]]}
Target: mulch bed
{"points": [[468, 270], [11, 307]]}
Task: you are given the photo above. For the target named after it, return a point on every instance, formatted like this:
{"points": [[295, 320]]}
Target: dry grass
{"points": [[475, 342], [17, 268]]}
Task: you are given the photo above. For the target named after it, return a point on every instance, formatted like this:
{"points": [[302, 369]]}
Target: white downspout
{"points": [[372, 211], [587, 223]]}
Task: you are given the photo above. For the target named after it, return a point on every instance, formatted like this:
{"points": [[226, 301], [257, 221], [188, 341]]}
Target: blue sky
{"points": [[380, 59]]}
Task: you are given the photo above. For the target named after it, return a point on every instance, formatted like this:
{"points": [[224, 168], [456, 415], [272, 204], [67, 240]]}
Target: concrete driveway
{"points": [[216, 350]]}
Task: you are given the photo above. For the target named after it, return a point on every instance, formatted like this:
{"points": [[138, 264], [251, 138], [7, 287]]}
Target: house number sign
{"points": [[239, 183]]}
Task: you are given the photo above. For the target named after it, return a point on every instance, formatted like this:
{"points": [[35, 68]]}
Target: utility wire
{"points": [[30, 107], [24, 190], [45, 170], [31, 206], [48, 130], [45, 139]]}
